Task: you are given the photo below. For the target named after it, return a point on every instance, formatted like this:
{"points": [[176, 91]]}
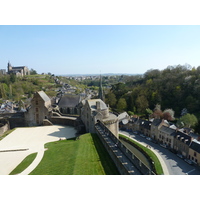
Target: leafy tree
{"points": [[111, 99], [142, 104], [121, 105], [188, 120], [33, 72], [12, 78], [157, 112], [168, 114]]}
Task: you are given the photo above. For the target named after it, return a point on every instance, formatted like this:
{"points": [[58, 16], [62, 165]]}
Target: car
{"points": [[135, 132], [154, 141], [188, 161], [163, 145], [180, 155], [148, 138], [142, 135]]}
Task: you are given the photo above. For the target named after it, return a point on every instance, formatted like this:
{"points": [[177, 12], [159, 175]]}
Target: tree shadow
{"points": [[106, 161]]}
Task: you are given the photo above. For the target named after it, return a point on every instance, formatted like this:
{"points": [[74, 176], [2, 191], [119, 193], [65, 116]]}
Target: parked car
{"points": [[188, 161], [142, 135], [148, 138], [154, 141], [135, 132], [180, 155], [163, 145]]}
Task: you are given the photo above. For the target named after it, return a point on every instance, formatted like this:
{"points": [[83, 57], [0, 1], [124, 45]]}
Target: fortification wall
{"points": [[4, 128]]}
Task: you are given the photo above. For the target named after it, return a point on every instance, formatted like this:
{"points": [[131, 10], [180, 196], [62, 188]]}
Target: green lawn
{"points": [[24, 164], [85, 156]]}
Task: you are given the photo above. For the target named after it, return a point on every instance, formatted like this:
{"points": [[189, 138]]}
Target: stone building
{"points": [[93, 110], [18, 71], [194, 151], [68, 104], [166, 136], [39, 110], [182, 142]]}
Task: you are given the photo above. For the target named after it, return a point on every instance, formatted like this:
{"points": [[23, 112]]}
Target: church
{"points": [[18, 71]]}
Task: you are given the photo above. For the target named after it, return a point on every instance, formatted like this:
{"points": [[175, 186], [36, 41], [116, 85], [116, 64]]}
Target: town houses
{"points": [[180, 141]]}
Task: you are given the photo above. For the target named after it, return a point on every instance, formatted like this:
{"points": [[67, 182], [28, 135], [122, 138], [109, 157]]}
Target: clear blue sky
{"points": [[90, 49]]}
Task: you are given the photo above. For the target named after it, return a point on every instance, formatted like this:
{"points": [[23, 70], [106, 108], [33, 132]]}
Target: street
{"points": [[175, 165]]}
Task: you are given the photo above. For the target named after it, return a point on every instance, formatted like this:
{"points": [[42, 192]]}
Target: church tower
{"points": [[101, 95], [9, 67]]}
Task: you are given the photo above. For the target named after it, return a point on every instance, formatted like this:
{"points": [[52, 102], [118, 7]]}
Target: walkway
{"points": [[119, 154], [32, 139]]}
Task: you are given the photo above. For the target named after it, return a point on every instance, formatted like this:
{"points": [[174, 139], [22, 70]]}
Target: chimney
{"points": [[98, 105]]}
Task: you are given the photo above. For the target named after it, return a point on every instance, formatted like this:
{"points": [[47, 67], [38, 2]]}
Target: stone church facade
{"points": [[18, 71]]}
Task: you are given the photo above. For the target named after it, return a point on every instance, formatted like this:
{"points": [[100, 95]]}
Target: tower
{"points": [[101, 95], [9, 67]]}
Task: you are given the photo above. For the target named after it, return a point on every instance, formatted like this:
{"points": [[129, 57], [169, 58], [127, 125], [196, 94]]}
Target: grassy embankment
{"points": [[157, 165], [86, 156]]}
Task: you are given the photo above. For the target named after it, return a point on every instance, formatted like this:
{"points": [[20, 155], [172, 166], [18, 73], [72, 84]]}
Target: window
{"points": [[195, 154], [36, 102], [36, 109]]}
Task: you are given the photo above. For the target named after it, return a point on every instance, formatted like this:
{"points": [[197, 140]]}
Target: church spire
{"points": [[101, 96]]}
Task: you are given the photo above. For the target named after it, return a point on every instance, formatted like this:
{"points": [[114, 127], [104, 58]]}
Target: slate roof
{"points": [[156, 122], [167, 130], [195, 145], [70, 101], [146, 124], [182, 137], [44, 96]]}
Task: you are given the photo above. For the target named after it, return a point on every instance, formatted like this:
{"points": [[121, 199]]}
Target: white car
{"points": [[188, 161], [148, 138], [180, 155], [163, 145]]}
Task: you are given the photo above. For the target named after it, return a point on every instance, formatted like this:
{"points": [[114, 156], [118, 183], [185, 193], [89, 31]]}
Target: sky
{"points": [[94, 49]]}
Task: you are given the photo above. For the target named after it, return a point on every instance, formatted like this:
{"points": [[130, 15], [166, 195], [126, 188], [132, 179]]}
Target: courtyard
{"points": [[25, 141]]}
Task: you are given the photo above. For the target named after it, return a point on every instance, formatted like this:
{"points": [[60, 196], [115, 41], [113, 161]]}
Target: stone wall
{"points": [[4, 128]]}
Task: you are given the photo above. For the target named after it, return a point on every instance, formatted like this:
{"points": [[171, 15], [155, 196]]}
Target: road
{"points": [[175, 165]]}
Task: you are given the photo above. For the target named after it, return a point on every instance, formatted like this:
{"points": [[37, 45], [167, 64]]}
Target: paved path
{"points": [[32, 139]]}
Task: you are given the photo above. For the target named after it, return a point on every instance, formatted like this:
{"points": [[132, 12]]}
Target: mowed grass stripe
{"points": [[91, 161], [80, 157]]}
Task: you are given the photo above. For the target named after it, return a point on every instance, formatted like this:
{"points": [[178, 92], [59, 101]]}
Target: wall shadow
{"points": [[65, 132], [106, 161]]}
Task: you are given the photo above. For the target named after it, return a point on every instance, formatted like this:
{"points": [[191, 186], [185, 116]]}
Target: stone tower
{"points": [[9, 67]]}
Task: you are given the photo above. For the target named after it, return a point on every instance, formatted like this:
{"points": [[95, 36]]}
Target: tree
{"points": [[121, 105], [142, 104], [168, 114], [33, 72], [157, 112], [189, 120], [111, 99]]}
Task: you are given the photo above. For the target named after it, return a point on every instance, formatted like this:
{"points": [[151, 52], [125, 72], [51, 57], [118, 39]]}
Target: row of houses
{"points": [[181, 141]]}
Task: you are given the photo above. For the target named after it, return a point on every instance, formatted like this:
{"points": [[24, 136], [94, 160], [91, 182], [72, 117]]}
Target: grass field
{"points": [[85, 156], [24, 164]]}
